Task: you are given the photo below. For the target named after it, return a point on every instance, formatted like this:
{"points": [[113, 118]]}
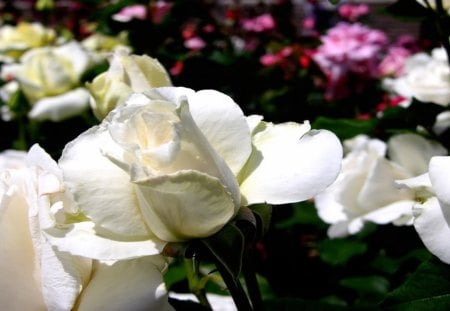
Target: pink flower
{"points": [[268, 60], [159, 10], [352, 12], [128, 13], [349, 49], [177, 68], [309, 23], [394, 60], [392, 64], [272, 59], [194, 43], [264, 22]]}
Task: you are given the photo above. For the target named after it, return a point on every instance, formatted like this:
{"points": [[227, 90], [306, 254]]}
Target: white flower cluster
{"points": [[165, 164], [49, 69]]}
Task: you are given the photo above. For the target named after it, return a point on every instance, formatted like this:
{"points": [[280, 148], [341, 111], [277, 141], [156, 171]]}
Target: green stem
{"points": [[251, 281], [196, 286], [21, 142], [236, 290], [440, 19]]}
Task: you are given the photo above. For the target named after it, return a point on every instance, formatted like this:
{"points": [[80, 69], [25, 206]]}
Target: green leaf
{"points": [[390, 265], [227, 247], [428, 288], [399, 119], [373, 285], [345, 128], [263, 215], [176, 273], [338, 251]]}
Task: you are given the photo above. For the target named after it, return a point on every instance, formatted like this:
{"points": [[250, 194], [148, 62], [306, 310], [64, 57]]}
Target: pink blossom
{"points": [[208, 28], [392, 64], [272, 59], [352, 12], [177, 68], [128, 13], [195, 43], [264, 22], [269, 59], [159, 10], [309, 23], [349, 49]]}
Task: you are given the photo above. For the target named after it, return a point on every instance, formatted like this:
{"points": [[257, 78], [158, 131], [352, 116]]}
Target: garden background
{"points": [[266, 55]]}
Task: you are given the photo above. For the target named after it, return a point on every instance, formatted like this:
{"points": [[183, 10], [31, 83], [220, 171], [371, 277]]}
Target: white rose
{"points": [[442, 122], [365, 190], [12, 159], [50, 79], [15, 40], [432, 207], [425, 77], [104, 44], [126, 74], [36, 276], [30, 197], [445, 4], [173, 164]]}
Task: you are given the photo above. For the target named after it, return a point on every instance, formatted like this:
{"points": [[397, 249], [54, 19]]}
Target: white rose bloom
{"points": [[15, 40], [33, 275], [36, 276], [50, 79], [432, 207], [126, 74], [425, 77], [173, 164], [365, 190]]}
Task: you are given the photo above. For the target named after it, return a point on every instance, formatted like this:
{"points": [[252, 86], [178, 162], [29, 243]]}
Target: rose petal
{"points": [[19, 288], [440, 179], [381, 179], [102, 190], [62, 277], [413, 152], [126, 285], [81, 239], [185, 205], [223, 123], [58, 108], [79, 58], [432, 225], [219, 118], [391, 212], [290, 164]]}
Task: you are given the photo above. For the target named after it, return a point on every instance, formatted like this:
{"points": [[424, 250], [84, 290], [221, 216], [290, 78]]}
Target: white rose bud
{"points": [[126, 74], [15, 40], [50, 78]]}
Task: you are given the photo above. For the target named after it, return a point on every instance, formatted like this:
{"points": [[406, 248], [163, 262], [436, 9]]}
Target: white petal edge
{"points": [[185, 205], [223, 123], [19, 286], [81, 239], [432, 227], [126, 285], [439, 172], [290, 164], [97, 183], [61, 107], [413, 152]]}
